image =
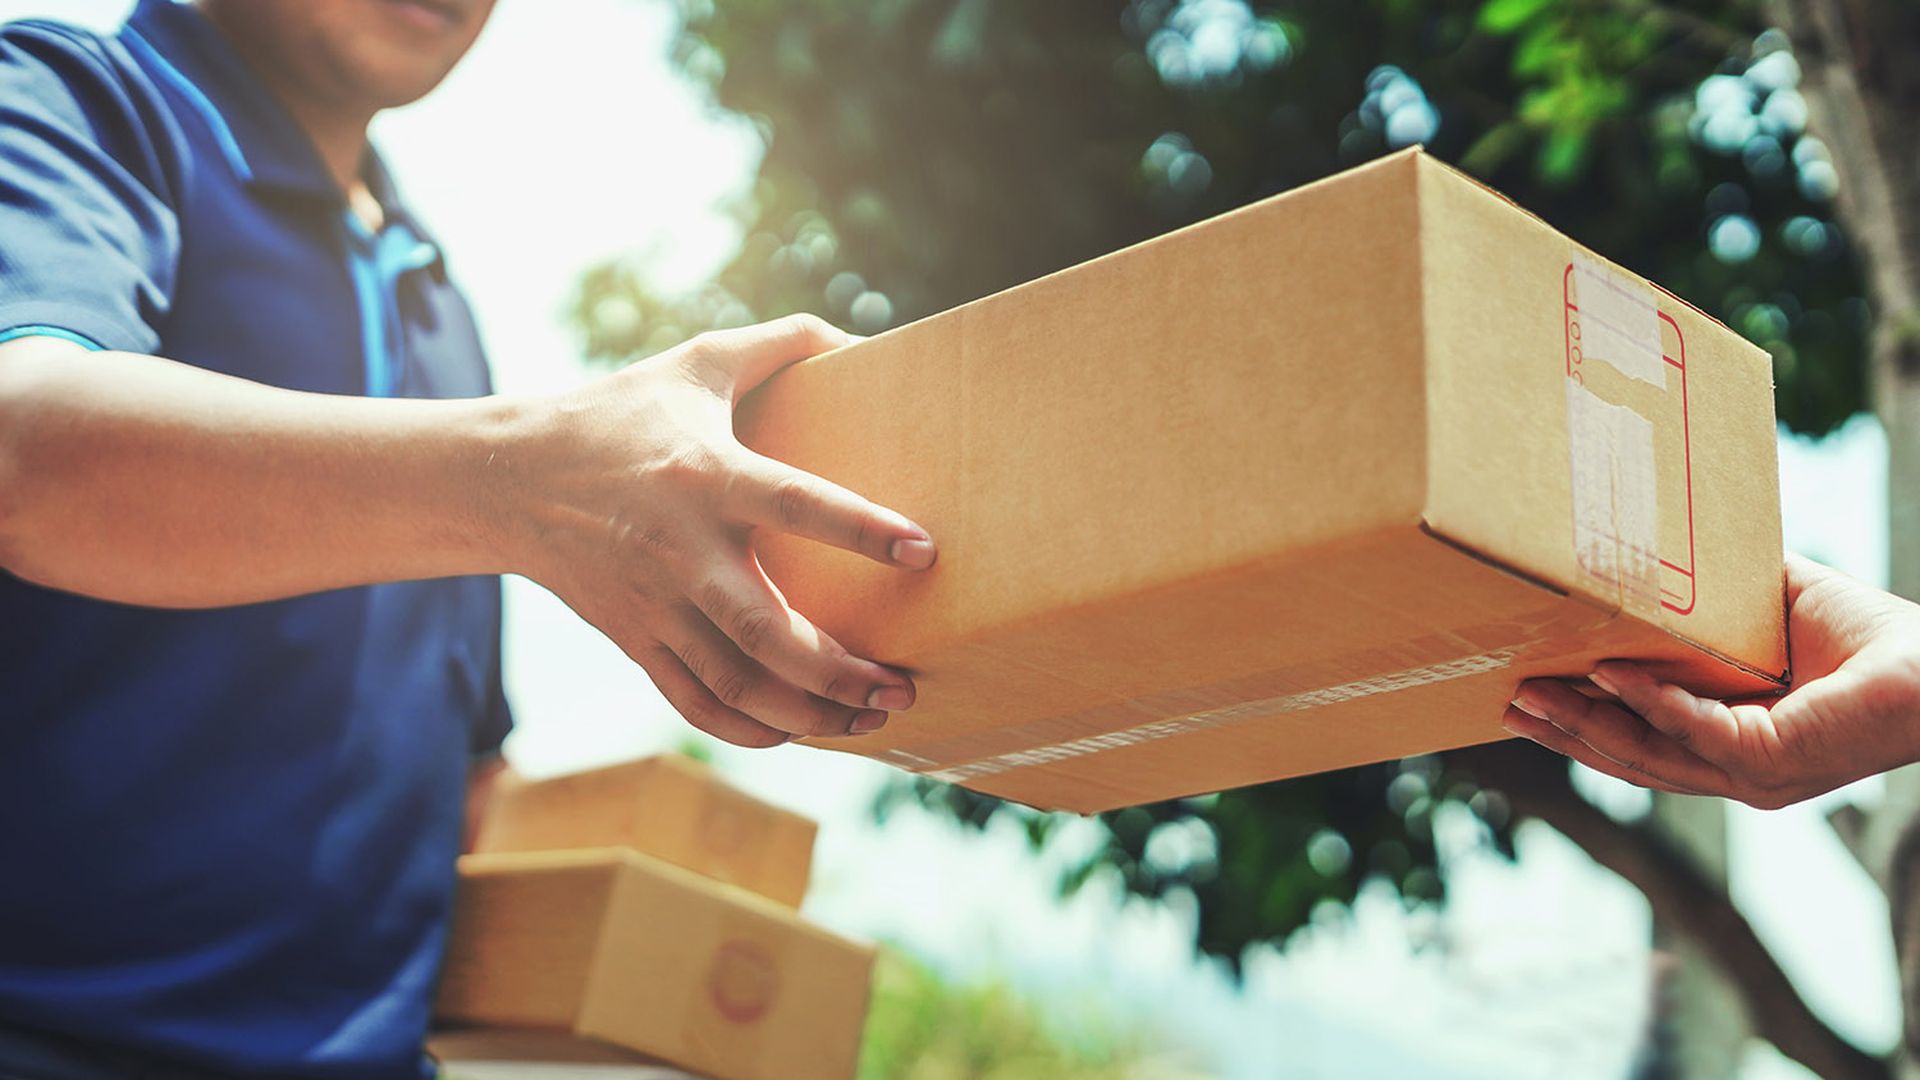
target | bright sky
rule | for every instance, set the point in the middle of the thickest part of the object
(566, 140)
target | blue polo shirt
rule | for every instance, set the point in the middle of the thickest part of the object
(226, 836)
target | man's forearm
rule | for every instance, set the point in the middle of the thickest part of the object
(141, 480)
(145, 481)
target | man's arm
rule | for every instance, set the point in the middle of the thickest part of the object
(141, 480)
(146, 481)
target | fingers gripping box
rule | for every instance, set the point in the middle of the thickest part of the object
(1308, 485)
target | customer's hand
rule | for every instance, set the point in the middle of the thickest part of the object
(1853, 709)
(644, 507)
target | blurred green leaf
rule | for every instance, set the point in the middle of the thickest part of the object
(921, 1026)
(1562, 155)
(1506, 16)
(697, 748)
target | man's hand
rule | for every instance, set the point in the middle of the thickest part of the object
(144, 481)
(1853, 709)
(644, 506)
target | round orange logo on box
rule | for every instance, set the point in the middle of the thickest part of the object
(742, 981)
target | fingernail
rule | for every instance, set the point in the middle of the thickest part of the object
(890, 698)
(1600, 679)
(1524, 701)
(912, 554)
(1519, 731)
(869, 721)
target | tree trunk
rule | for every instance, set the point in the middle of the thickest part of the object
(1700, 1023)
(1863, 96)
(1537, 785)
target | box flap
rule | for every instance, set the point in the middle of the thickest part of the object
(1586, 429)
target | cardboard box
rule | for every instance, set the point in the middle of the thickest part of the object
(668, 806)
(610, 955)
(1311, 484)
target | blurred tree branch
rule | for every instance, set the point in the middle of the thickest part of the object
(1539, 787)
(1862, 85)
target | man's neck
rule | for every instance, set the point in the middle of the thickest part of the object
(340, 139)
(338, 133)
(342, 144)
(364, 205)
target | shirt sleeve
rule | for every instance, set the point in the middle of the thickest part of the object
(493, 720)
(88, 236)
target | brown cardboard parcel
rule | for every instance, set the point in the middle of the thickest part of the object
(1304, 486)
(610, 955)
(668, 806)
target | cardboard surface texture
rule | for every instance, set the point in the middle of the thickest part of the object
(611, 955)
(1308, 485)
(668, 806)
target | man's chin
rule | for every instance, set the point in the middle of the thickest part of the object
(401, 83)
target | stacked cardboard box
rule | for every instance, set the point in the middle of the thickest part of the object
(646, 911)
(670, 807)
(1308, 485)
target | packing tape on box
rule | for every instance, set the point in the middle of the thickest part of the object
(1385, 669)
(1616, 501)
(1619, 323)
(1221, 717)
(1615, 481)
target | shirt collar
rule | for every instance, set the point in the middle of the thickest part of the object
(262, 143)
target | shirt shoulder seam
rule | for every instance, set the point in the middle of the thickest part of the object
(94, 45)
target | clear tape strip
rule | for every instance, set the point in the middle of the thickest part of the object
(1424, 675)
(906, 760)
(1614, 476)
(1619, 323)
(1615, 496)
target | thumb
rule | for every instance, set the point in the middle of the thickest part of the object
(1802, 573)
(1820, 713)
(733, 362)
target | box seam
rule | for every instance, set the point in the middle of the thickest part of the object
(617, 879)
(1615, 612)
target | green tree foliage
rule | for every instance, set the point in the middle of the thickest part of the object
(921, 153)
(1256, 861)
(922, 1027)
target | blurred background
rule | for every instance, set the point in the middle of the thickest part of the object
(612, 176)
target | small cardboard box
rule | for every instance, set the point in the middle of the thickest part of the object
(1308, 485)
(668, 806)
(610, 955)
